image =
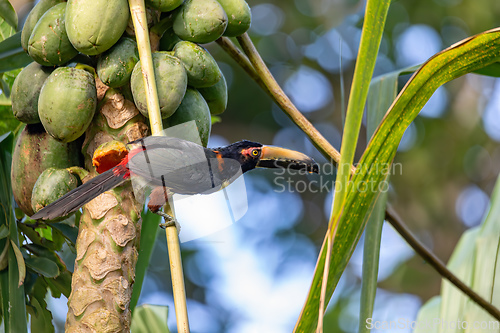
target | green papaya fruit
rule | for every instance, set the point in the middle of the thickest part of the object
(35, 14)
(193, 107)
(164, 5)
(25, 92)
(239, 16)
(171, 84)
(200, 21)
(67, 103)
(201, 68)
(94, 26)
(52, 184)
(216, 96)
(49, 44)
(115, 66)
(36, 151)
(168, 40)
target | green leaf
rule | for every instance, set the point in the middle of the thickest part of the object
(6, 214)
(491, 70)
(42, 251)
(61, 284)
(461, 263)
(5, 217)
(9, 123)
(8, 14)
(373, 28)
(486, 263)
(4, 258)
(45, 232)
(12, 55)
(148, 237)
(30, 231)
(43, 266)
(41, 318)
(8, 79)
(150, 318)
(4, 231)
(19, 263)
(383, 91)
(467, 56)
(5, 101)
(69, 232)
(5, 87)
(41, 322)
(427, 316)
(475, 261)
(6, 30)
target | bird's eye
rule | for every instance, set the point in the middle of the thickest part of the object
(255, 152)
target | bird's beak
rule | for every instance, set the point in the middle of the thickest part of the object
(276, 157)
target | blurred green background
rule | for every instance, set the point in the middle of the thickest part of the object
(254, 276)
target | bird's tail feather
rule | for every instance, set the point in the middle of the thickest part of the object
(78, 197)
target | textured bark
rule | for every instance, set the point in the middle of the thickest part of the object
(109, 231)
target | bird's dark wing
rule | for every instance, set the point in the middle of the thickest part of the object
(181, 166)
(224, 170)
(205, 177)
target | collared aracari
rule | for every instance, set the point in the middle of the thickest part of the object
(171, 165)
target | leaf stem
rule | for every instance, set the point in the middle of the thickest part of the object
(138, 12)
(80, 172)
(227, 45)
(273, 88)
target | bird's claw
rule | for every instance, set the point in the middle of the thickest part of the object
(164, 225)
(169, 221)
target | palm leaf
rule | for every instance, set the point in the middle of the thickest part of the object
(475, 261)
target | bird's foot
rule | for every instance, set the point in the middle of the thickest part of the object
(169, 221)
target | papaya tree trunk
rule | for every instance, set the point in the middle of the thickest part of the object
(108, 238)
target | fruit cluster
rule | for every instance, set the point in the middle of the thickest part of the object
(77, 43)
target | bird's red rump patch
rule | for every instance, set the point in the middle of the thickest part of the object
(135, 151)
(121, 171)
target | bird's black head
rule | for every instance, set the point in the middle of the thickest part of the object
(253, 154)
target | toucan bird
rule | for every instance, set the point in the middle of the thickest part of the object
(171, 165)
